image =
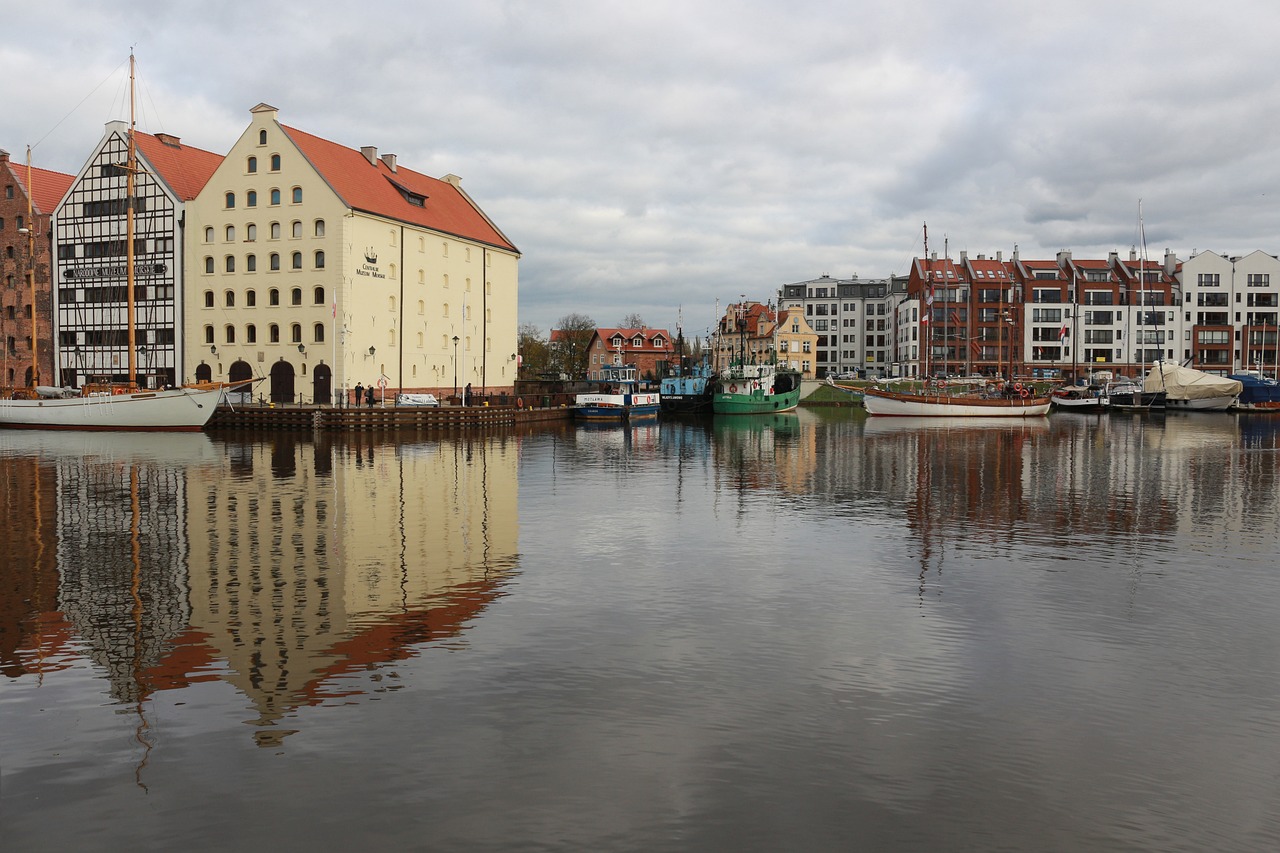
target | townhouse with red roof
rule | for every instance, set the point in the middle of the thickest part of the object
(89, 237)
(28, 197)
(649, 351)
(317, 267)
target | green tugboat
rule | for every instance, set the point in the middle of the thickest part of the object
(755, 389)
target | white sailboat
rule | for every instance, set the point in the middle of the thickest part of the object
(109, 405)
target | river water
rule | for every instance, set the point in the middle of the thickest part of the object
(799, 632)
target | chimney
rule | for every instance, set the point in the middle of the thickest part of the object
(169, 139)
(1133, 253)
(452, 179)
(1015, 253)
(370, 153)
(390, 160)
(1000, 257)
(1113, 258)
(1170, 262)
(964, 257)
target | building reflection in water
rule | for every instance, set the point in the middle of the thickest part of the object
(282, 566)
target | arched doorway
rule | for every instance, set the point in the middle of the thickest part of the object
(204, 372)
(240, 372)
(321, 384)
(282, 382)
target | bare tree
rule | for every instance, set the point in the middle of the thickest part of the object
(569, 345)
(633, 321)
(535, 353)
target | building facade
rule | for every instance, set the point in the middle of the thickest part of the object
(89, 236)
(650, 351)
(755, 333)
(316, 267)
(26, 207)
(853, 319)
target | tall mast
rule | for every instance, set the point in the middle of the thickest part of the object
(928, 301)
(128, 214)
(31, 281)
(1142, 296)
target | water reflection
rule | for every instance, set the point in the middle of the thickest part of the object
(280, 566)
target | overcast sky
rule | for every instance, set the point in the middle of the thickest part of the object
(648, 157)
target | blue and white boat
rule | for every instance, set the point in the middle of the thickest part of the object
(688, 393)
(619, 399)
(1257, 392)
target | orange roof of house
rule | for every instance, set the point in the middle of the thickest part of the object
(185, 169)
(375, 188)
(630, 334)
(47, 188)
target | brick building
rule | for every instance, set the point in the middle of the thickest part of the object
(25, 247)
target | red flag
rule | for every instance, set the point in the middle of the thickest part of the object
(1062, 333)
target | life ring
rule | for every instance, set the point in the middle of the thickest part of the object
(519, 402)
(1024, 393)
(733, 389)
(1017, 386)
(117, 390)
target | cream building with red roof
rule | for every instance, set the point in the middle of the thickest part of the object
(319, 267)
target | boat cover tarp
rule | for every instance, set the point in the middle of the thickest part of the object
(1187, 383)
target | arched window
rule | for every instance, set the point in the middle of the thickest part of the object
(230, 234)
(319, 295)
(208, 299)
(444, 310)
(275, 230)
(250, 334)
(319, 260)
(275, 195)
(419, 340)
(230, 200)
(275, 162)
(208, 263)
(273, 296)
(295, 333)
(230, 334)
(319, 227)
(229, 299)
(317, 333)
(251, 198)
(273, 332)
(295, 260)
(297, 195)
(392, 301)
(422, 306)
(208, 334)
(296, 228)
(274, 261)
(208, 234)
(295, 296)
(251, 232)
(251, 298)
(250, 263)
(262, 137)
(251, 165)
(231, 263)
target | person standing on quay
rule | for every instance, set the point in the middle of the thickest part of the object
(368, 395)
(466, 395)
(359, 392)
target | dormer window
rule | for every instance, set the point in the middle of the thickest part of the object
(637, 341)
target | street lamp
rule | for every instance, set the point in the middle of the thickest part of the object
(455, 366)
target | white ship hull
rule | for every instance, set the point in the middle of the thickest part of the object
(173, 409)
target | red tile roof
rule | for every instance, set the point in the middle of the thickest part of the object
(375, 188)
(185, 169)
(628, 335)
(48, 187)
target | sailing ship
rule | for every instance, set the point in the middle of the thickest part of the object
(111, 404)
(1021, 402)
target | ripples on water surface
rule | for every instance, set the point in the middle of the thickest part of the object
(800, 632)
